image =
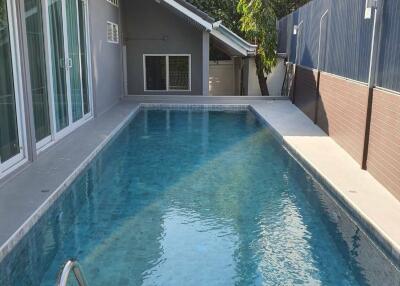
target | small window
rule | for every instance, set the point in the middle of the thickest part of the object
(167, 72)
(179, 73)
(114, 2)
(156, 73)
(112, 33)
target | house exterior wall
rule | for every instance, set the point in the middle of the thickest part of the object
(384, 143)
(107, 68)
(276, 78)
(150, 28)
(253, 84)
(222, 78)
(105, 65)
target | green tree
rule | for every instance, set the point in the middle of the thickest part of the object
(258, 22)
(224, 10)
(3, 16)
(254, 20)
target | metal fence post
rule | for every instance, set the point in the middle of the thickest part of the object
(298, 30)
(317, 95)
(378, 14)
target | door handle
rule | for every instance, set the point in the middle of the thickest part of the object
(66, 63)
(69, 63)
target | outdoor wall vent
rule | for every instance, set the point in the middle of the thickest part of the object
(114, 2)
(112, 33)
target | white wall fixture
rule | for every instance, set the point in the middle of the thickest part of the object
(112, 33)
(114, 2)
(369, 5)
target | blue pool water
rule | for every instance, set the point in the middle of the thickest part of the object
(189, 198)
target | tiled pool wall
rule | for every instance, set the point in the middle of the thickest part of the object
(369, 255)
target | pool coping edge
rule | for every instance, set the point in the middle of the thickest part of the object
(29, 223)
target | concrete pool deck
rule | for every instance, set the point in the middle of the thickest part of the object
(26, 196)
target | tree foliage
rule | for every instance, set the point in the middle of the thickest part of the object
(254, 20)
(3, 15)
(224, 10)
(258, 22)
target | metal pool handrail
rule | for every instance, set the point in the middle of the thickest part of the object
(74, 266)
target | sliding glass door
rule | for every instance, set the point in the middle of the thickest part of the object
(75, 58)
(68, 60)
(59, 64)
(11, 144)
(37, 67)
(83, 56)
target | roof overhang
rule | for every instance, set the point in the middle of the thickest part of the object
(189, 13)
(233, 41)
(226, 37)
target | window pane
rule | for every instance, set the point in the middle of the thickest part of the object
(9, 140)
(156, 78)
(37, 66)
(82, 34)
(58, 63)
(75, 60)
(179, 73)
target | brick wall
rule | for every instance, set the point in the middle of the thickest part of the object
(306, 91)
(342, 112)
(384, 147)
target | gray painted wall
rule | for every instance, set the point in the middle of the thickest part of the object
(150, 28)
(106, 57)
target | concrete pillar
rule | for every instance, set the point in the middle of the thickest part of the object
(206, 62)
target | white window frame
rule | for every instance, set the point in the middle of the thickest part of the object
(114, 36)
(20, 158)
(114, 2)
(58, 135)
(167, 72)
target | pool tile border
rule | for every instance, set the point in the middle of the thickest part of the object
(195, 107)
(377, 236)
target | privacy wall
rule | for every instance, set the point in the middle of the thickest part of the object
(330, 43)
(336, 35)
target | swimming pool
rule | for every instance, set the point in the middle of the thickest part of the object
(195, 197)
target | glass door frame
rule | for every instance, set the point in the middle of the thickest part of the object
(45, 142)
(57, 135)
(9, 165)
